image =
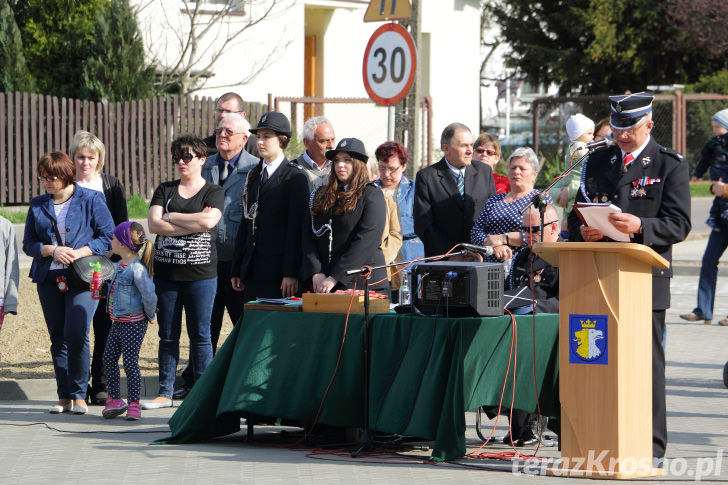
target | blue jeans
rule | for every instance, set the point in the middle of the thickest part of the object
(717, 243)
(197, 298)
(68, 318)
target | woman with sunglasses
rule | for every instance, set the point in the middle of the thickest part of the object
(184, 214)
(87, 152)
(499, 225)
(486, 149)
(345, 225)
(66, 223)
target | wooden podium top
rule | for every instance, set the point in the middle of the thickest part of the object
(550, 251)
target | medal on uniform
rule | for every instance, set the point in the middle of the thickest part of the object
(604, 198)
(537, 278)
(646, 161)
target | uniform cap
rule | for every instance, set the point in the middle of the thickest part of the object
(352, 146)
(274, 121)
(628, 109)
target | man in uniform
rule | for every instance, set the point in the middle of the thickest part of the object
(451, 194)
(650, 184)
(226, 104)
(318, 138)
(527, 272)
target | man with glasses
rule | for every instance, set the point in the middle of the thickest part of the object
(228, 168)
(529, 271)
(318, 138)
(230, 103)
(650, 184)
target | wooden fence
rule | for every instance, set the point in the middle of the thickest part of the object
(137, 135)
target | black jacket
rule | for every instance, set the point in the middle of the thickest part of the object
(356, 240)
(656, 189)
(540, 274)
(273, 249)
(115, 198)
(442, 217)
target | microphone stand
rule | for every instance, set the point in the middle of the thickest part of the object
(539, 200)
(366, 439)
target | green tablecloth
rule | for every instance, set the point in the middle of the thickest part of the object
(425, 373)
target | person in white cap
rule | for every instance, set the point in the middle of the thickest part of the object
(581, 131)
(714, 156)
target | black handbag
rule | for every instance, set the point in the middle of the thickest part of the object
(81, 271)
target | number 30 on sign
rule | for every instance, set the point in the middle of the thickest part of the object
(390, 60)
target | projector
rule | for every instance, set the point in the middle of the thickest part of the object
(458, 289)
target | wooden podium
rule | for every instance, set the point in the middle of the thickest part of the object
(605, 357)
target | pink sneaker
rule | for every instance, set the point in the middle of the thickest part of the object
(134, 412)
(114, 407)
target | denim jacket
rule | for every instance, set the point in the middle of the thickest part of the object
(232, 214)
(133, 293)
(88, 223)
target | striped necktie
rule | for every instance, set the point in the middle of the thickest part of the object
(461, 183)
(627, 160)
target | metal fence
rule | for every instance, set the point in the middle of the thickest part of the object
(682, 121)
(357, 117)
(137, 135)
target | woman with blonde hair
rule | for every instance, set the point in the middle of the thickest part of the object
(87, 153)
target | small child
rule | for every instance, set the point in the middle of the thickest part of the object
(9, 274)
(581, 131)
(715, 156)
(131, 303)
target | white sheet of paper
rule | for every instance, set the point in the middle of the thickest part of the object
(596, 215)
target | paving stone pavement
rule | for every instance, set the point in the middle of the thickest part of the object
(37, 447)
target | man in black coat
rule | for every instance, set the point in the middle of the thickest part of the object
(451, 194)
(650, 184)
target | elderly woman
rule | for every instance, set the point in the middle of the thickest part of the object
(184, 214)
(392, 158)
(65, 224)
(87, 152)
(486, 149)
(499, 225)
(347, 218)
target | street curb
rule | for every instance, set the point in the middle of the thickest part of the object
(45, 389)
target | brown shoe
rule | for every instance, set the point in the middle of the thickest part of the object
(692, 317)
(724, 322)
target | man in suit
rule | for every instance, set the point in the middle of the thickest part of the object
(229, 168)
(267, 257)
(318, 138)
(650, 184)
(230, 103)
(451, 194)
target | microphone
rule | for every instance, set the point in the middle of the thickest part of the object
(607, 141)
(484, 250)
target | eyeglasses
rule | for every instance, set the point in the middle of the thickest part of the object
(185, 157)
(534, 229)
(226, 132)
(489, 151)
(389, 169)
(43, 178)
(225, 111)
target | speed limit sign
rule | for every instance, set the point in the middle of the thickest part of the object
(390, 60)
